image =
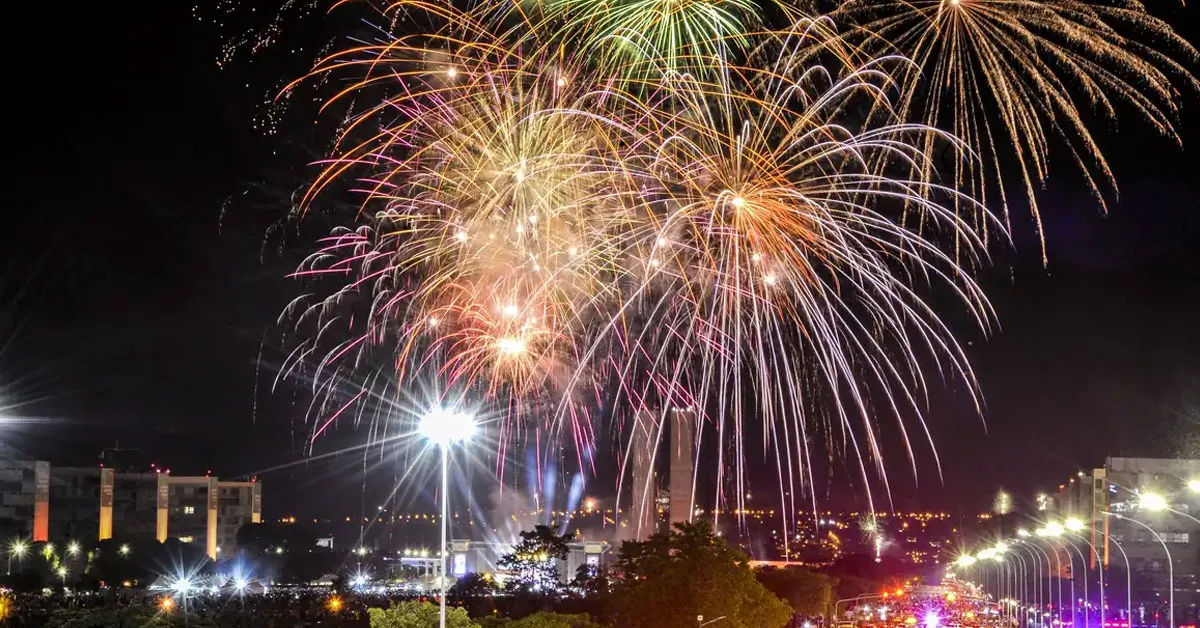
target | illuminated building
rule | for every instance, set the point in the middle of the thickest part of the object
(45, 503)
(1153, 503)
(482, 557)
(24, 495)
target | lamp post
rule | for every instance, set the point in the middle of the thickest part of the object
(1128, 575)
(1020, 593)
(1036, 560)
(1049, 532)
(1170, 565)
(445, 428)
(1074, 525)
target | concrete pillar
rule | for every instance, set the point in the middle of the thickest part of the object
(683, 456)
(644, 486)
(41, 501)
(107, 479)
(210, 537)
(256, 502)
(162, 507)
(1099, 520)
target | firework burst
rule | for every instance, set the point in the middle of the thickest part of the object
(717, 236)
(1009, 76)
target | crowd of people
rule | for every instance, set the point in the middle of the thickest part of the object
(118, 608)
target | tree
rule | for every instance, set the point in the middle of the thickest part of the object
(542, 620)
(113, 566)
(473, 585)
(416, 614)
(535, 560)
(591, 581)
(809, 593)
(670, 579)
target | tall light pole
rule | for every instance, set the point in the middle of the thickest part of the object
(444, 428)
(1170, 565)
(1047, 532)
(1128, 573)
(1074, 525)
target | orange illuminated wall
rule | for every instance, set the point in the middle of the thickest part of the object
(163, 501)
(41, 501)
(256, 503)
(213, 500)
(107, 477)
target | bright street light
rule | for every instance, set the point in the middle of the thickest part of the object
(1074, 524)
(1023, 533)
(124, 551)
(1194, 486)
(444, 428)
(1051, 529)
(1152, 502)
(73, 548)
(17, 549)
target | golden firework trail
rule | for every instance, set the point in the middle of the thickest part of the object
(1015, 78)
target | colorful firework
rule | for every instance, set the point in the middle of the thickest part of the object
(653, 34)
(723, 237)
(999, 73)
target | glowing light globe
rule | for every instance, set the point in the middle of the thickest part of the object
(443, 427)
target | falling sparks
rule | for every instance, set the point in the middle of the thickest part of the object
(1010, 78)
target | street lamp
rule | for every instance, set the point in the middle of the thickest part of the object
(124, 551)
(17, 548)
(73, 548)
(1152, 502)
(1194, 486)
(444, 428)
(1170, 564)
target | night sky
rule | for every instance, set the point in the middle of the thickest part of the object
(141, 284)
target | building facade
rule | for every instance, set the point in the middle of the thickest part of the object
(44, 503)
(24, 491)
(1141, 514)
(483, 557)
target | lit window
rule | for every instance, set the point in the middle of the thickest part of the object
(460, 564)
(189, 510)
(186, 539)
